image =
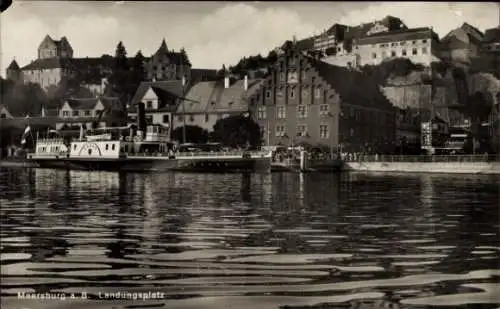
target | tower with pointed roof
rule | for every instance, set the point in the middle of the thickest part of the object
(50, 48)
(14, 72)
(166, 64)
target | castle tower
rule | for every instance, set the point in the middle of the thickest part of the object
(14, 72)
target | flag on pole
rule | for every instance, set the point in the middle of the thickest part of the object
(26, 131)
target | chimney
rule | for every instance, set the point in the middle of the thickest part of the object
(245, 82)
(226, 82)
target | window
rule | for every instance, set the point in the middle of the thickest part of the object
(304, 75)
(107, 146)
(166, 118)
(323, 131)
(282, 76)
(292, 94)
(302, 111)
(374, 55)
(3, 116)
(149, 104)
(393, 54)
(301, 130)
(323, 109)
(317, 93)
(394, 44)
(384, 54)
(113, 147)
(149, 119)
(281, 112)
(75, 113)
(292, 60)
(305, 93)
(207, 117)
(180, 118)
(90, 152)
(403, 52)
(191, 118)
(268, 94)
(414, 51)
(87, 113)
(414, 42)
(424, 50)
(280, 130)
(424, 41)
(261, 113)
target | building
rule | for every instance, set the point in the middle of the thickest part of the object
(47, 72)
(202, 75)
(14, 72)
(207, 102)
(491, 41)
(420, 45)
(50, 48)
(307, 101)
(461, 44)
(76, 112)
(168, 65)
(160, 100)
(4, 112)
(372, 43)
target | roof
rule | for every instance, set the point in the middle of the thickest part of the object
(13, 66)
(163, 89)
(49, 63)
(391, 22)
(304, 44)
(174, 87)
(177, 58)
(198, 75)
(398, 35)
(206, 97)
(492, 35)
(89, 103)
(473, 30)
(347, 83)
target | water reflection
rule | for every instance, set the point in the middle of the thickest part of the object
(251, 240)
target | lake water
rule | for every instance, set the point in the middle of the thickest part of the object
(248, 241)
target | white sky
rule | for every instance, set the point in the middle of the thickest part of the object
(212, 33)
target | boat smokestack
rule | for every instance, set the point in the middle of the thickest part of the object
(141, 118)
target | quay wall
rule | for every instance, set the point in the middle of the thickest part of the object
(492, 168)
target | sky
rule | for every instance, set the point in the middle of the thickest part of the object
(212, 33)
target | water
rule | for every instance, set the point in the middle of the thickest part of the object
(248, 241)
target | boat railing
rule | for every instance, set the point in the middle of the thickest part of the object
(195, 154)
(50, 140)
(421, 158)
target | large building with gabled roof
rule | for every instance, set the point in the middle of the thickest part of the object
(307, 101)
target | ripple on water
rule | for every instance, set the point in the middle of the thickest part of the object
(14, 256)
(290, 258)
(202, 254)
(488, 295)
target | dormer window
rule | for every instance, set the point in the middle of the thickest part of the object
(149, 104)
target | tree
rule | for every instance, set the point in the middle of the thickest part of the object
(237, 131)
(137, 72)
(194, 134)
(120, 78)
